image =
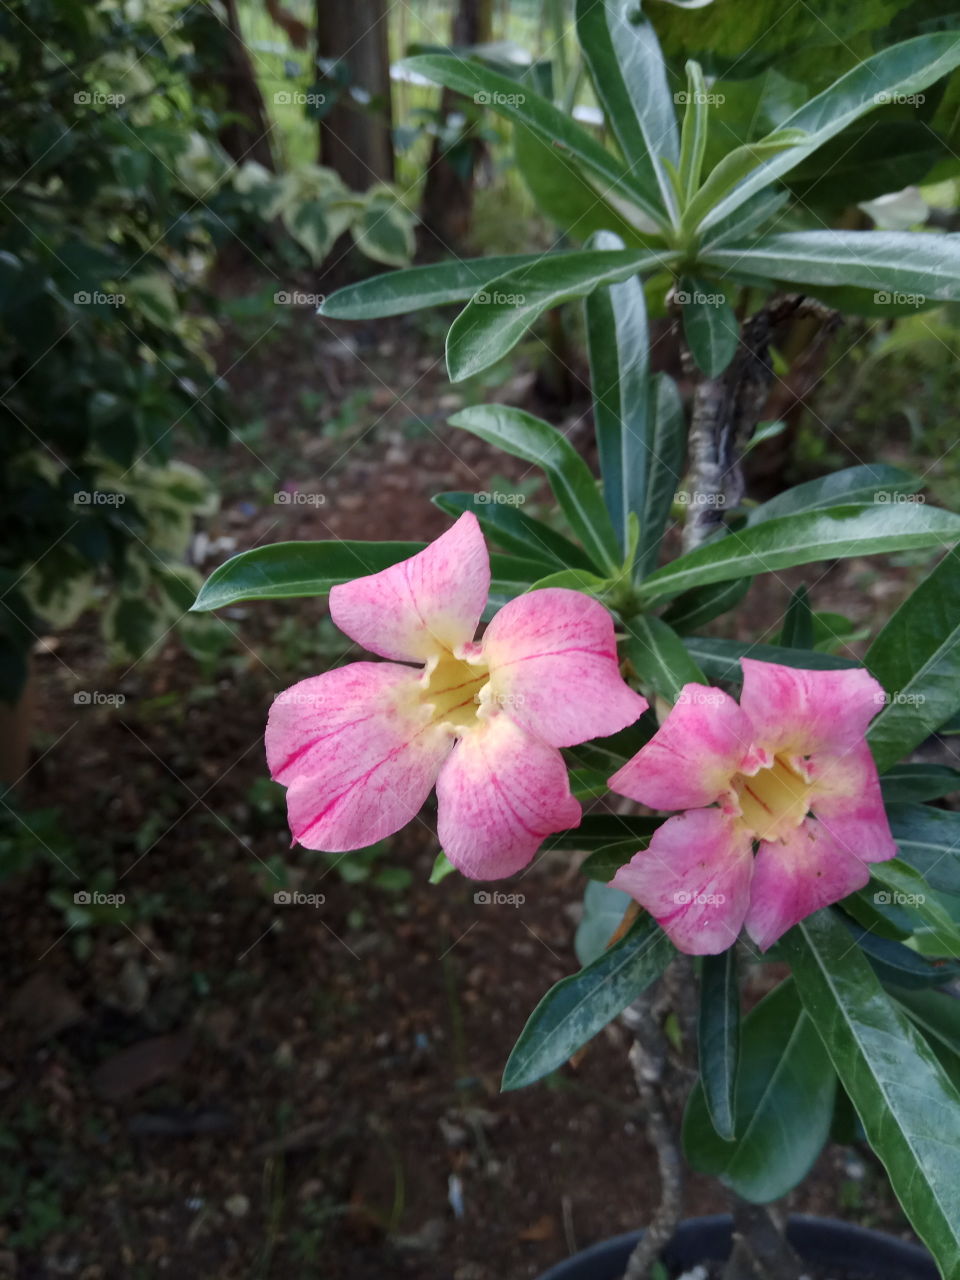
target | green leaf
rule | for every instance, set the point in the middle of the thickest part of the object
(784, 1104)
(626, 65)
(668, 447)
(907, 1105)
(718, 1039)
(841, 488)
(914, 783)
(733, 168)
(557, 129)
(701, 605)
(908, 888)
(618, 342)
(604, 912)
(693, 136)
(574, 1010)
(902, 69)
(797, 630)
(710, 324)
(507, 526)
(604, 863)
(660, 658)
(286, 569)
(599, 829)
(800, 539)
(929, 840)
(535, 441)
(917, 265)
(936, 1013)
(442, 867)
(396, 292)
(895, 964)
(499, 314)
(916, 657)
(720, 659)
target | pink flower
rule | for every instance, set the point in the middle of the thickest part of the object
(787, 771)
(359, 748)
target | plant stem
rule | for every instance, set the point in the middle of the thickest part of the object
(760, 1247)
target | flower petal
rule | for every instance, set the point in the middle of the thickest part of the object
(793, 878)
(689, 761)
(356, 752)
(423, 605)
(801, 712)
(554, 669)
(694, 879)
(499, 795)
(848, 801)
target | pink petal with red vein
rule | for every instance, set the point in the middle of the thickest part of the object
(355, 751)
(691, 758)
(694, 879)
(801, 712)
(423, 605)
(499, 795)
(794, 878)
(848, 802)
(554, 669)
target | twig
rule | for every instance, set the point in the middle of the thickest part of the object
(760, 1247)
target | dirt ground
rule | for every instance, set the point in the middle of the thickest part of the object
(207, 1083)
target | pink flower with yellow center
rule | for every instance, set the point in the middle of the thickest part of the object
(787, 774)
(359, 748)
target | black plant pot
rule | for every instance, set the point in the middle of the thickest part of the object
(820, 1241)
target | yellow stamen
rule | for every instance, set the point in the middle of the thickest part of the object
(773, 801)
(451, 689)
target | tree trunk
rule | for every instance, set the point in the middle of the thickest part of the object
(246, 138)
(355, 139)
(448, 190)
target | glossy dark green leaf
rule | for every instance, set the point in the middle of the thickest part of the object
(929, 839)
(577, 1007)
(783, 1109)
(515, 531)
(906, 1103)
(797, 630)
(914, 783)
(555, 127)
(710, 324)
(718, 1039)
(936, 1013)
(668, 446)
(851, 486)
(800, 539)
(693, 135)
(599, 829)
(660, 658)
(720, 659)
(892, 263)
(499, 315)
(536, 442)
(623, 54)
(916, 657)
(618, 341)
(895, 965)
(396, 292)
(701, 605)
(902, 69)
(604, 863)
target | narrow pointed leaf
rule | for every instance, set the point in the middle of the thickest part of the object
(929, 840)
(660, 658)
(817, 535)
(718, 1039)
(902, 69)
(499, 315)
(694, 609)
(536, 442)
(868, 483)
(667, 451)
(396, 292)
(895, 264)
(734, 167)
(693, 135)
(916, 657)
(797, 630)
(914, 783)
(906, 1103)
(511, 529)
(618, 344)
(720, 659)
(710, 324)
(573, 1011)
